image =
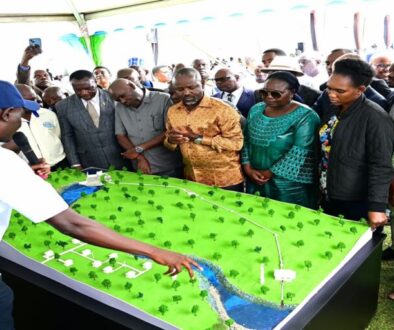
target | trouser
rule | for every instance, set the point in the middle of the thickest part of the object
(351, 210)
(236, 187)
(6, 301)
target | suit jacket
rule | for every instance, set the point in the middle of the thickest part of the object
(83, 142)
(245, 102)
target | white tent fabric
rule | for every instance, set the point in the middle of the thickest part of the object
(187, 28)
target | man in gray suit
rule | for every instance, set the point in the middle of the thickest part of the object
(87, 121)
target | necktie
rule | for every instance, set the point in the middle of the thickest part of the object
(93, 113)
(230, 97)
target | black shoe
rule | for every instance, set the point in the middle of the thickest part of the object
(388, 254)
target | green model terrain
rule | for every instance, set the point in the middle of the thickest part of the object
(235, 232)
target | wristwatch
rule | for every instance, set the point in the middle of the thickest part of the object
(139, 150)
(198, 139)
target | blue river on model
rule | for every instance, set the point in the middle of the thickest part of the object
(242, 310)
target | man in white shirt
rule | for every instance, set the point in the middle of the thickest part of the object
(42, 132)
(22, 190)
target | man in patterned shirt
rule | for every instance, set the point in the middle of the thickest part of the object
(208, 133)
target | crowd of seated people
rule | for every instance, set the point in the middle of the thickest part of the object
(313, 130)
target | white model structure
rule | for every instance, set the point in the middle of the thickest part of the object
(108, 270)
(68, 262)
(131, 274)
(284, 275)
(97, 264)
(49, 254)
(113, 255)
(93, 180)
(262, 276)
(75, 241)
(86, 252)
(147, 265)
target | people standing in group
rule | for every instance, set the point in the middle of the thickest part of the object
(140, 118)
(357, 143)
(87, 122)
(207, 132)
(279, 155)
(102, 76)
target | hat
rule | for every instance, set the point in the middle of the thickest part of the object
(284, 63)
(11, 98)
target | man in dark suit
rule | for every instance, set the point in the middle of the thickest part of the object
(87, 121)
(231, 90)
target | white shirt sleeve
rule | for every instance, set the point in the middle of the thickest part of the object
(26, 192)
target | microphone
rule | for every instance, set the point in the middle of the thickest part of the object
(21, 141)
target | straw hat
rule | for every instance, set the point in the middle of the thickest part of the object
(284, 63)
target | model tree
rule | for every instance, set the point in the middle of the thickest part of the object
(308, 264)
(229, 322)
(163, 308)
(239, 203)
(176, 299)
(73, 270)
(257, 249)
(92, 275)
(128, 286)
(141, 223)
(11, 235)
(290, 295)
(140, 295)
(215, 207)
(152, 235)
(177, 191)
(282, 228)
(328, 255)
(265, 260)
(151, 192)
(47, 243)
(175, 285)
(120, 208)
(130, 230)
(297, 207)
(353, 230)
(316, 222)
(341, 246)
(300, 226)
(62, 244)
(264, 289)
(112, 217)
(24, 229)
(179, 205)
(192, 216)
(300, 243)
(112, 262)
(271, 212)
(106, 284)
(217, 256)
(157, 277)
(250, 210)
(151, 203)
(27, 246)
(221, 219)
(107, 198)
(93, 206)
(250, 233)
(291, 215)
(134, 199)
(242, 221)
(160, 219)
(137, 214)
(211, 193)
(234, 243)
(160, 208)
(127, 196)
(167, 244)
(213, 236)
(195, 309)
(193, 197)
(50, 233)
(165, 184)
(190, 206)
(191, 242)
(234, 273)
(193, 281)
(203, 294)
(328, 234)
(117, 228)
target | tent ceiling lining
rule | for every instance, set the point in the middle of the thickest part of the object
(78, 7)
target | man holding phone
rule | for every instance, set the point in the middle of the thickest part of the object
(42, 80)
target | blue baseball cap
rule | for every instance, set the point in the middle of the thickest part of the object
(11, 98)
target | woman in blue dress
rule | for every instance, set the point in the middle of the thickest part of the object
(279, 156)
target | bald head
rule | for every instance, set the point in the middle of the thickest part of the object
(226, 80)
(52, 95)
(381, 64)
(129, 74)
(126, 92)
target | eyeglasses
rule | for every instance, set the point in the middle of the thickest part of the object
(274, 94)
(222, 79)
(383, 66)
